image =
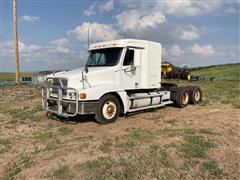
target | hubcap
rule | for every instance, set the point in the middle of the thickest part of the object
(109, 109)
(197, 95)
(185, 98)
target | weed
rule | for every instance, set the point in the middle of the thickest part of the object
(212, 167)
(106, 146)
(83, 146)
(23, 113)
(5, 145)
(62, 172)
(127, 145)
(11, 171)
(195, 146)
(4, 142)
(169, 132)
(15, 168)
(158, 154)
(43, 137)
(65, 131)
(155, 118)
(26, 161)
(171, 121)
(205, 131)
(141, 135)
(189, 131)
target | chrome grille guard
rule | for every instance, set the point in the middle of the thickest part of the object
(58, 99)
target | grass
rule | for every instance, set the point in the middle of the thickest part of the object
(23, 114)
(11, 76)
(42, 137)
(106, 146)
(226, 72)
(15, 168)
(171, 121)
(135, 166)
(195, 146)
(5, 145)
(62, 172)
(65, 131)
(141, 135)
(212, 168)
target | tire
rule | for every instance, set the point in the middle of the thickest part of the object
(195, 94)
(180, 97)
(108, 109)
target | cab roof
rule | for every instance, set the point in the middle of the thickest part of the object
(122, 43)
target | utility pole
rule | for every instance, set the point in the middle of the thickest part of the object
(15, 34)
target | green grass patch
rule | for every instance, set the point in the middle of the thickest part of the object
(43, 137)
(224, 72)
(11, 76)
(171, 121)
(62, 172)
(195, 146)
(23, 114)
(15, 168)
(4, 142)
(5, 145)
(205, 131)
(65, 131)
(106, 146)
(212, 168)
(127, 145)
(135, 166)
(141, 135)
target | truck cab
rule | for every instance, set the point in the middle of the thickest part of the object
(119, 77)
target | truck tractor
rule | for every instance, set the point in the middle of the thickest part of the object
(119, 77)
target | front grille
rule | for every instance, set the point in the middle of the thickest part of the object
(59, 82)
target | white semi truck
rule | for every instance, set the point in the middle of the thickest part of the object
(119, 77)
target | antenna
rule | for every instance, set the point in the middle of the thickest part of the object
(88, 35)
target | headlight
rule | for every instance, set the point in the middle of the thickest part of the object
(72, 95)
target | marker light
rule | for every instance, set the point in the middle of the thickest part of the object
(83, 96)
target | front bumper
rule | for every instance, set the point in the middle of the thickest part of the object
(57, 104)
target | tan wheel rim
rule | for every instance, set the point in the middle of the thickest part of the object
(109, 110)
(185, 98)
(197, 95)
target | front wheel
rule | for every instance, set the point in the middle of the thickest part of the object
(108, 109)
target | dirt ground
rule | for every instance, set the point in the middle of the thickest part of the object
(33, 146)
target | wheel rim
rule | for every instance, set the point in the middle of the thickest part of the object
(109, 110)
(185, 98)
(197, 95)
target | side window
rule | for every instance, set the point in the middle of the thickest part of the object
(129, 57)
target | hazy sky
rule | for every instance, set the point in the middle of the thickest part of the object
(53, 34)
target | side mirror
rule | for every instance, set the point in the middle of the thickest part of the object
(137, 58)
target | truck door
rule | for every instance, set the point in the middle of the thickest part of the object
(131, 69)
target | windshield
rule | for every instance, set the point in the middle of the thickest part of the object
(104, 57)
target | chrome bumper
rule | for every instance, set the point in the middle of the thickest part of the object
(64, 107)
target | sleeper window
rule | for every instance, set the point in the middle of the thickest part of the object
(129, 57)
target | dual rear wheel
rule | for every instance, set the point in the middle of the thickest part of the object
(183, 96)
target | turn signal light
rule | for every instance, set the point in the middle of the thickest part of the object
(83, 96)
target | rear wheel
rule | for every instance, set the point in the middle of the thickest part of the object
(108, 109)
(195, 95)
(180, 97)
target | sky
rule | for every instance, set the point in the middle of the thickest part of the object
(53, 33)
